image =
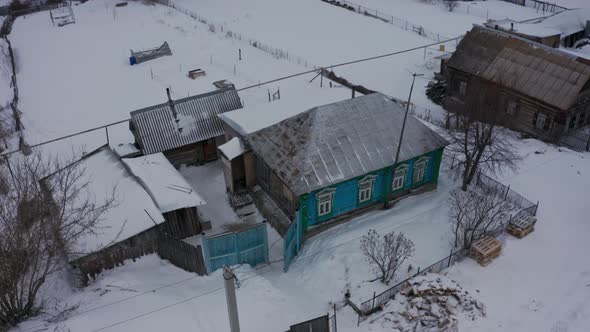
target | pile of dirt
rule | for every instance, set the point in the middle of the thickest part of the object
(430, 303)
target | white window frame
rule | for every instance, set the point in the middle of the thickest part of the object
(366, 188)
(511, 108)
(540, 123)
(403, 170)
(325, 200)
(420, 169)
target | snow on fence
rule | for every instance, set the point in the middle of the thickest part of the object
(525, 205)
(249, 246)
(219, 28)
(539, 5)
(369, 306)
(388, 18)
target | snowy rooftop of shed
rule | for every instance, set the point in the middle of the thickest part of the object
(169, 190)
(105, 172)
(339, 141)
(567, 22)
(232, 148)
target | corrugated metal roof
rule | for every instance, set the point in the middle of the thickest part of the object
(336, 142)
(157, 130)
(535, 70)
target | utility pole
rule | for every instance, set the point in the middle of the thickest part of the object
(230, 297)
(389, 185)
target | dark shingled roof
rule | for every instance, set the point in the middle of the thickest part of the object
(156, 129)
(337, 142)
(546, 74)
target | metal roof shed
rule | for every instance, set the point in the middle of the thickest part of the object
(177, 126)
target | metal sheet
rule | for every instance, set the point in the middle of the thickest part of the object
(156, 127)
(336, 142)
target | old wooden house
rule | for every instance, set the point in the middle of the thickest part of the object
(150, 200)
(330, 162)
(187, 131)
(535, 89)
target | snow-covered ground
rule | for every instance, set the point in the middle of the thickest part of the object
(78, 76)
(572, 3)
(448, 23)
(542, 282)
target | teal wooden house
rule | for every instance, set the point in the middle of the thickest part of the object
(331, 162)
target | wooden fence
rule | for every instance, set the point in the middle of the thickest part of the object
(181, 254)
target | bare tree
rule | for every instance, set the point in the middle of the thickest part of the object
(40, 221)
(478, 137)
(477, 213)
(386, 254)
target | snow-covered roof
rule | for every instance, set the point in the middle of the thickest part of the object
(256, 117)
(529, 29)
(538, 71)
(567, 22)
(169, 190)
(126, 149)
(156, 129)
(105, 172)
(339, 141)
(232, 148)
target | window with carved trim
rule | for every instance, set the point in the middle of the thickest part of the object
(420, 169)
(399, 177)
(366, 188)
(325, 200)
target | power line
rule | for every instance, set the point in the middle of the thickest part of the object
(249, 87)
(174, 304)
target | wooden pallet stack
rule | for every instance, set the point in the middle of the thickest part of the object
(485, 250)
(521, 225)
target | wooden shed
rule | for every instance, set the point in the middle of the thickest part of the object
(136, 223)
(187, 131)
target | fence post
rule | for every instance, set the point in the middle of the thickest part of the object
(507, 191)
(450, 257)
(335, 321)
(373, 306)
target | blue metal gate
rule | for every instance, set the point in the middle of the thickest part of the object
(293, 240)
(249, 246)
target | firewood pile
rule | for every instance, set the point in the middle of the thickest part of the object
(430, 303)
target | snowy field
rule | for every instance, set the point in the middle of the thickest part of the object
(434, 16)
(542, 282)
(78, 76)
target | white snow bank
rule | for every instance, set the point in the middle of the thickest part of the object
(134, 212)
(232, 148)
(169, 190)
